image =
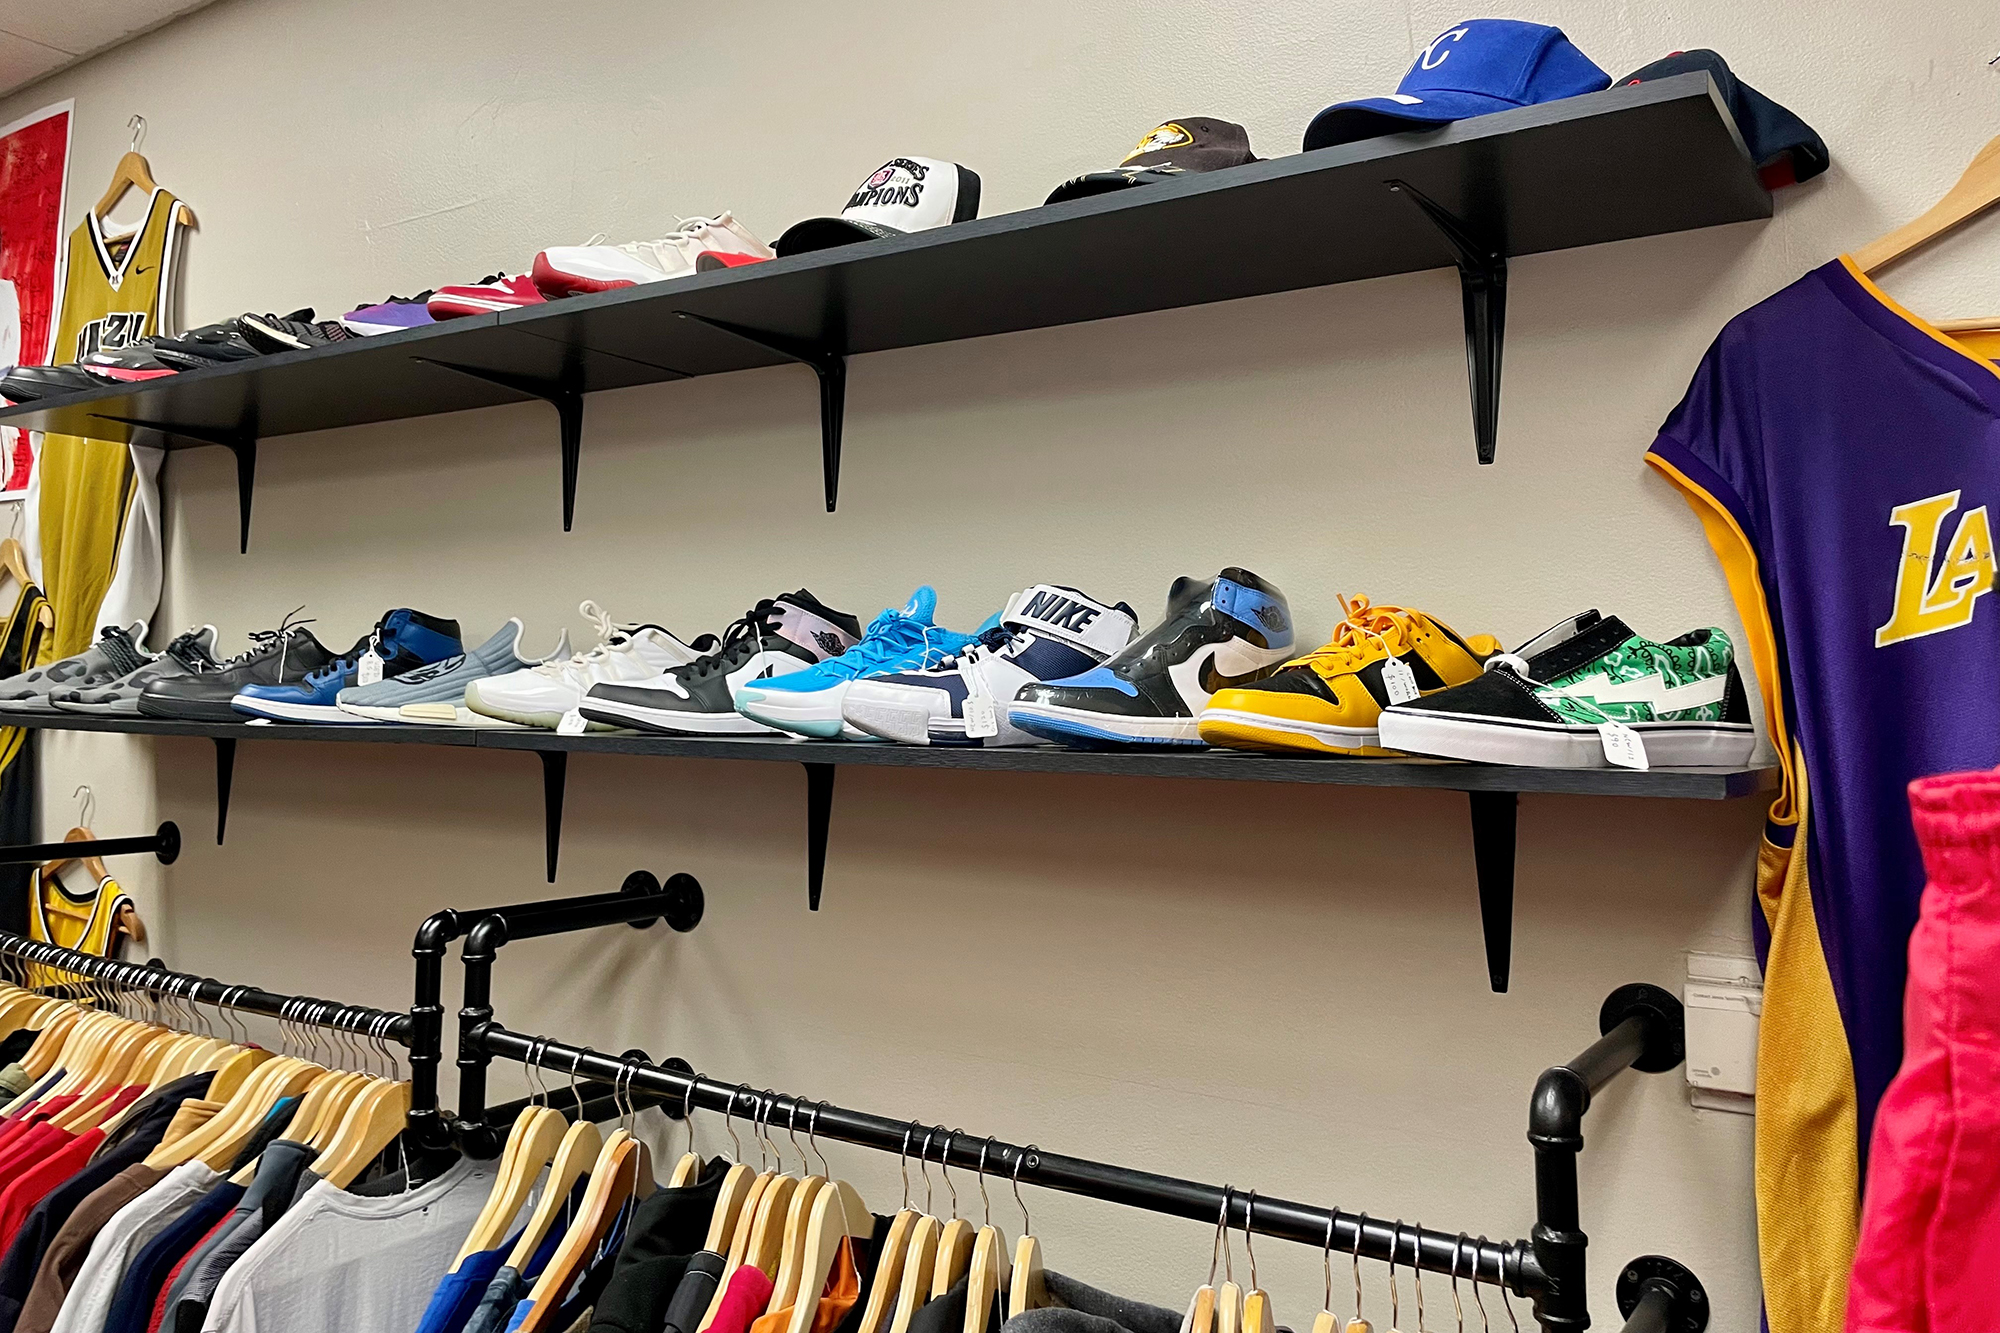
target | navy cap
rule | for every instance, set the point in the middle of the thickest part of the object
(1785, 148)
(1476, 68)
(1192, 143)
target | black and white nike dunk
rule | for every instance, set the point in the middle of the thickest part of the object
(776, 637)
(1217, 634)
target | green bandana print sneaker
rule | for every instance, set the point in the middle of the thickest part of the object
(1546, 703)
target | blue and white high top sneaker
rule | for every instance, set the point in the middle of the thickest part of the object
(808, 702)
(1046, 631)
(401, 641)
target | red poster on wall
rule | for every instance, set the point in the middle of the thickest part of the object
(34, 171)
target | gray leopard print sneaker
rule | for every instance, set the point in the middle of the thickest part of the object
(116, 653)
(192, 654)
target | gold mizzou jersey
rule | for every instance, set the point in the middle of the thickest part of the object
(95, 505)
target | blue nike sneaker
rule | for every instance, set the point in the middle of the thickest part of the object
(402, 640)
(808, 702)
(1218, 633)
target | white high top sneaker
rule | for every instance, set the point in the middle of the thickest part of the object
(540, 695)
(695, 246)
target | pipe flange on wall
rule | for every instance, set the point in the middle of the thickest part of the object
(1674, 1296)
(682, 902)
(1666, 1024)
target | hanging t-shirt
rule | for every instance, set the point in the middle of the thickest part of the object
(90, 1297)
(340, 1261)
(1843, 456)
(93, 507)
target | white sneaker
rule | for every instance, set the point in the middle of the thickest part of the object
(540, 695)
(697, 245)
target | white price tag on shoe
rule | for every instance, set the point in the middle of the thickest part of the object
(571, 724)
(1622, 745)
(981, 717)
(369, 670)
(1399, 681)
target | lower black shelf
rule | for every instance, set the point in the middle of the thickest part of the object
(1493, 791)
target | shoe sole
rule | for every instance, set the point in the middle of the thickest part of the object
(279, 711)
(673, 721)
(1557, 745)
(1240, 730)
(464, 306)
(1073, 726)
(429, 715)
(904, 723)
(815, 715)
(555, 284)
(188, 710)
(120, 708)
(279, 336)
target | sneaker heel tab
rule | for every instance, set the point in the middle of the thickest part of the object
(1483, 646)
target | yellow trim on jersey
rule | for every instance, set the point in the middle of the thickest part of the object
(1808, 1150)
(86, 922)
(1970, 348)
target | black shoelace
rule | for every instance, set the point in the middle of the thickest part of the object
(743, 637)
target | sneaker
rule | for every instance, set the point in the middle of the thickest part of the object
(1548, 703)
(212, 344)
(275, 657)
(1218, 633)
(488, 295)
(808, 702)
(434, 695)
(116, 653)
(128, 365)
(26, 384)
(776, 637)
(540, 695)
(572, 270)
(282, 333)
(1329, 700)
(1046, 631)
(389, 316)
(401, 641)
(188, 655)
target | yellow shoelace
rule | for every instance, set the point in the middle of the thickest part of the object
(1367, 631)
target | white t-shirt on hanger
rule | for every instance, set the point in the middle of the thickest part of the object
(88, 1303)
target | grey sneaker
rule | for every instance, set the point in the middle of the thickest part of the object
(114, 654)
(189, 655)
(434, 695)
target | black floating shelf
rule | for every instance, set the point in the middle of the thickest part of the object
(1493, 791)
(1632, 161)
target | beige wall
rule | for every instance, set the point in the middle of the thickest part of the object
(1278, 987)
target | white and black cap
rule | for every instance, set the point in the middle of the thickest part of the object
(903, 194)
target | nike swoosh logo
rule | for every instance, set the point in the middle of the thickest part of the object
(1213, 680)
(143, 268)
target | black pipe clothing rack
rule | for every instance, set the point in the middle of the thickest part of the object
(165, 843)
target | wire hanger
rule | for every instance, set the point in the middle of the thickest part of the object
(1228, 1296)
(1977, 190)
(1029, 1290)
(920, 1260)
(991, 1275)
(133, 172)
(1257, 1316)
(875, 1315)
(954, 1257)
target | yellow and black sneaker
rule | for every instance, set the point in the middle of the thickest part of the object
(1330, 700)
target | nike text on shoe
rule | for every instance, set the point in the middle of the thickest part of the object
(573, 270)
(539, 696)
(276, 656)
(808, 703)
(776, 637)
(434, 695)
(1218, 633)
(1572, 696)
(401, 641)
(190, 654)
(1045, 631)
(1330, 700)
(116, 653)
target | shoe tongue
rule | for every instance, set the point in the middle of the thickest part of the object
(794, 619)
(922, 605)
(1066, 614)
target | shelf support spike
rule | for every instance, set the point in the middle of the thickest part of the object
(831, 368)
(565, 396)
(819, 815)
(1493, 819)
(555, 778)
(241, 442)
(1482, 278)
(225, 778)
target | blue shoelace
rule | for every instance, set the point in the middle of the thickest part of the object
(890, 638)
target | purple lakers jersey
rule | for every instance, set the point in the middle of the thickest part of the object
(1843, 455)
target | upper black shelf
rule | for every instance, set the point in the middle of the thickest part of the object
(1631, 161)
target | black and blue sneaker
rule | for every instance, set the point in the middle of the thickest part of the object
(1217, 634)
(401, 641)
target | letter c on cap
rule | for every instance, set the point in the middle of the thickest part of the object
(1430, 57)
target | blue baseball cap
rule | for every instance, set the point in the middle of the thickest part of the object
(1478, 67)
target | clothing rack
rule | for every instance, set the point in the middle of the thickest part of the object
(165, 844)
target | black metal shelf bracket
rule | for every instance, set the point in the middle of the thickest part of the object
(819, 815)
(1657, 1295)
(831, 368)
(565, 395)
(242, 443)
(225, 778)
(555, 779)
(1493, 829)
(1482, 278)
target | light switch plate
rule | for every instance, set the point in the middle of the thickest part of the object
(1725, 1000)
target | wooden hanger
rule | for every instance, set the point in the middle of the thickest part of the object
(1977, 190)
(613, 1180)
(14, 561)
(580, 1148)
(1257, 1316)
(133, 172)
(736, 1183)
(881, 1306)
(1028, 1289)
(988, 1279)
(531, 1145)
(954, 1256)
(919, 1264)
(739, 1242)
(378, 1114)
(838, 1213)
